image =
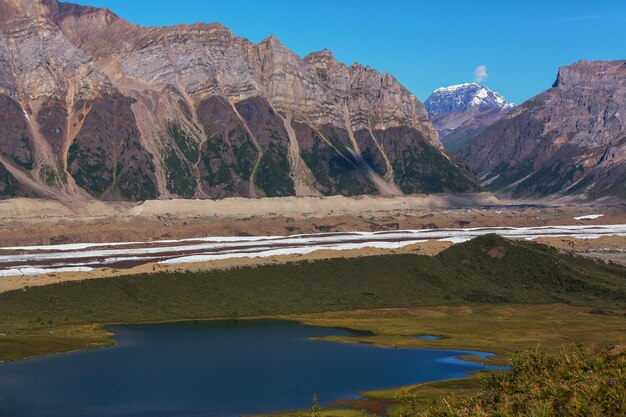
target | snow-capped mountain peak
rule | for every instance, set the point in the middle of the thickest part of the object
(460, 111)
(461, 97)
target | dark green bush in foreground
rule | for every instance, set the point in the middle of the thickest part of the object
(573, 383)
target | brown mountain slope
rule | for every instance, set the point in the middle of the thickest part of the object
(568, 140)
(95, 106)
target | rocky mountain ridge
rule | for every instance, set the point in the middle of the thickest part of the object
(94, 106)
(459, 112)
(461, 97)
(568, 140)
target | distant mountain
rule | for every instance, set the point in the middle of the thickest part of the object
(568, 140)
(93, 106)
(459, 112)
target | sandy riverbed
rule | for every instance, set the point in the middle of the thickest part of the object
(596, 248)
(43, 222)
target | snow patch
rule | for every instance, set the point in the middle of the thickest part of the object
(589, 217)
(289, 251)
(24, 271)
(455, 87)
(460, 97)
(82, 257)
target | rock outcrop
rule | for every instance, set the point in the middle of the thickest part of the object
(94, 106)
(568, 140)
(460, 112)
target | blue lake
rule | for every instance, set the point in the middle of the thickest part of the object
(214, 368)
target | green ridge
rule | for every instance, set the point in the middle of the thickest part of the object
(488, 269)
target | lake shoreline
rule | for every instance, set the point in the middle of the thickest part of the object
(337, 320)
(489, 294)
(111, 335)
(362, 395)
(446, 363)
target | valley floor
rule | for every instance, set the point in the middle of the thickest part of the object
(169, 227)
(487, 294)
(44, 222)
(476, 297)
(502, 329)
(27, 266)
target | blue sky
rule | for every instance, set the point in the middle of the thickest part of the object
(424, 44)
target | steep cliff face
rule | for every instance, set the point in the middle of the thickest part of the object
(568, 140)
(460, 112)
(92, 105)
(66, 128)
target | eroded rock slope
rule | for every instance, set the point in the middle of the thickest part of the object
(568, 140)
(94, 106)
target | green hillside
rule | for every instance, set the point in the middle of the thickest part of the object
(488, 269)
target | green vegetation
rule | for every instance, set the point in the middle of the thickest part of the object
(9, 186)
(23, 156)
(89, 167)
(185, 143)
(180, 178)
(336, 173)
(179, 158)
(334, 166)
(134, 172)
(488, 294)
(134, 180)
(244, 151)
(217, 173)
(133, 176)
(488, 269)
(500, 328)
(224, 158)
(430, 395)
(339, 139)
(550, 179)
(573, 383)
(423, 169)
(372, 156)
(49, 176)
(509, 174)
(586, 182)
(21, 345)
(272, 175)
(503, 328)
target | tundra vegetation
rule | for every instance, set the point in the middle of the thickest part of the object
(489, 294)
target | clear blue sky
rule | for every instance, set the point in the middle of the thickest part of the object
(424, 44)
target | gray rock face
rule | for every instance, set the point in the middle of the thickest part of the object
(113, 110)
(568, 140)
(57, 95)
(460, 112)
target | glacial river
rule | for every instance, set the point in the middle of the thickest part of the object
(32, 260)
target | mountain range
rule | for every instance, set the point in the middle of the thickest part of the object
(568, 140)
(94, 106)
(460, 112)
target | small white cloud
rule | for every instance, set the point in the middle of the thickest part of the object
(480, 74)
